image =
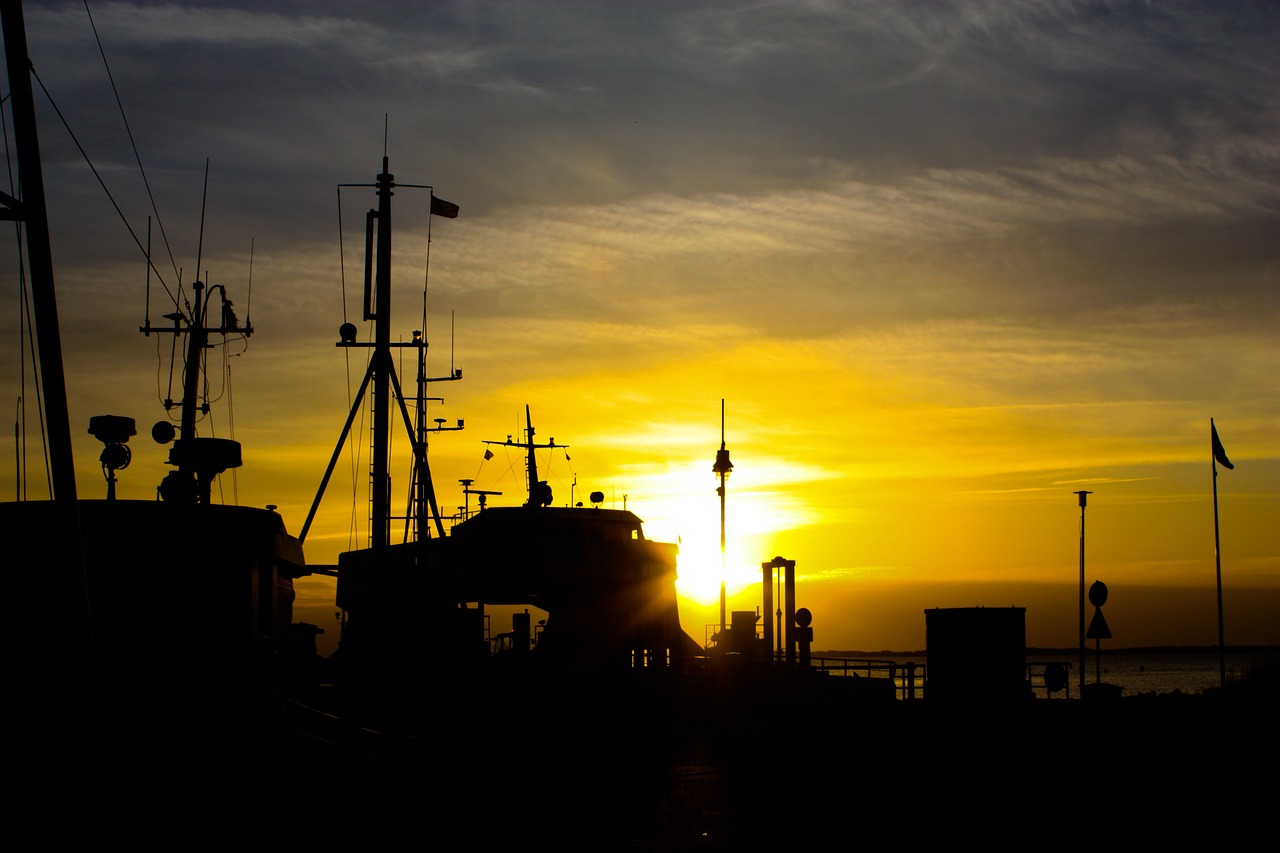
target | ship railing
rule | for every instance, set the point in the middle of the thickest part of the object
(908, 678)
(1045, 679)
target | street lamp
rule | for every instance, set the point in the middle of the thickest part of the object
(722, 468)
(1083, 500)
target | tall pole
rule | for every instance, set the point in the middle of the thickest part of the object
(1083, 500)
(197, 338)
(722, 467)
(421, 528)
(1217, 560)
(32, 213)
(380, 521)
(66, 655)
(1217, 553)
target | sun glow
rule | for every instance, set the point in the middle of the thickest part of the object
(755, 515)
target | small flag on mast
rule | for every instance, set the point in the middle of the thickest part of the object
(440, 207)
(1218, 453)
(488, 454)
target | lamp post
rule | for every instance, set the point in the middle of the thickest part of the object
(722, 468)
(1083, 499)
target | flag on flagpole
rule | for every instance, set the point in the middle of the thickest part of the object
(1218, 452)
(440, 207)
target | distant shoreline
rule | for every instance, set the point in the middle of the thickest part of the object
(1069, 652)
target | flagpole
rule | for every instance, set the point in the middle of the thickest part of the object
(1217, 555)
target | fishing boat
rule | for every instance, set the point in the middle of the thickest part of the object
(136, 621)
(414, 613)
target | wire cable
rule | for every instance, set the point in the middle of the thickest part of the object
(129, 131)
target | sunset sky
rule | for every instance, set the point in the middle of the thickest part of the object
(945, 263)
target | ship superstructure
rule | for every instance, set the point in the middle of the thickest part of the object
(415, 611)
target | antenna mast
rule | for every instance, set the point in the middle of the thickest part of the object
(33, 214)
(539, 490)
(380, 379)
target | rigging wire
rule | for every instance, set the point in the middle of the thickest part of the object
(231, 421)
(179, 301)
(166, 396)
(94, 169)
(420, 362)
(39, 386)
(129, 131)
(342, 260)
(248, 302)
(353, 450)
(228, 390)
(204, 203)
(413, 472)
(26, 338)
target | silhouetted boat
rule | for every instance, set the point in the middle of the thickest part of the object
(131, 621)
(414, 630)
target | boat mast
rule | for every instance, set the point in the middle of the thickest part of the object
(424, 510)
(539, 490)
(31, 211)
(198, 460)
(531, 465)
(380, 367)
(66, 654)
(381, 376)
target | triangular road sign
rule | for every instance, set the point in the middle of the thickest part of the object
(1098, 629)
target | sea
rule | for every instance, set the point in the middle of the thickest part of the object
(1144, 671)
(1136, 671)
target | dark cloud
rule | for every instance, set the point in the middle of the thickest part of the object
(591, 103)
